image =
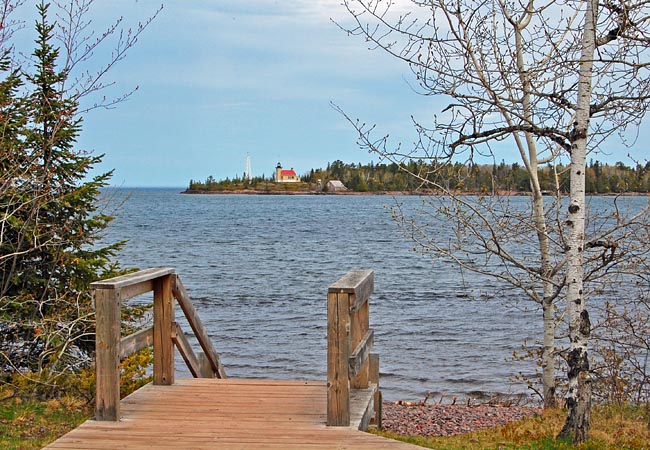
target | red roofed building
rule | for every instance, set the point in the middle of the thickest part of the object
(285, 176)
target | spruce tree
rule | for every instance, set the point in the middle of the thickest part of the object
(16, 208)
(46, 304)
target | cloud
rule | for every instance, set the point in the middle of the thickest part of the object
(266, 49)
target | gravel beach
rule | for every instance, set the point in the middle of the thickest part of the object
(447, 420)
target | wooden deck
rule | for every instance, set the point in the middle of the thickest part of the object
(209, 413)
(214, 412)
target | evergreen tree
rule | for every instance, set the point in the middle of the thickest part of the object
(46, 312)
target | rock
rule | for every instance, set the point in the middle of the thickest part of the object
(417, 419)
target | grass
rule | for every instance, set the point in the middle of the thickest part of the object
(27, 423)
(30, 424)
(612, 428)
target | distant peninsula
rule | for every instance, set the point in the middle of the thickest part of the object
(417, 177)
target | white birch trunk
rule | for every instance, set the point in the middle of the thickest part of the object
(548, 350)
(548, 313)
(579, 393)
(548, 306)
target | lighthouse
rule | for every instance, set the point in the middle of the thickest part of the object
(285, 176)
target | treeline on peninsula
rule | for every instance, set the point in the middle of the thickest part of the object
(600, 178)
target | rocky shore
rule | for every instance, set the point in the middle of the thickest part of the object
(389, 193)
(431, 420)
(296, 192)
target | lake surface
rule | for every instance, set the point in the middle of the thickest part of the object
(258, 267)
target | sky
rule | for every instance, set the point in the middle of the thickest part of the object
(220, 80)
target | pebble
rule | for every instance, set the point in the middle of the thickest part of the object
(429, 420)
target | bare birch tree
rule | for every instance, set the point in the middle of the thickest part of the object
(558, 79)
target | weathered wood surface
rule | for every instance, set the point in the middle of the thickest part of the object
(136, 341)
(196, 324)
(224, 414)
(360, 283)
(362, 406)
(185, 349)
(132, 278)
(338, 353)
(107, 347)
(349, 343)
(359, 329)
(163, 317)
(205, 366)
(359, 356)
(373, 373)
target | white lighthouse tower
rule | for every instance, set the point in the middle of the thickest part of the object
(248, 176)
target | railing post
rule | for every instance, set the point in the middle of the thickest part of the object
(107, 359)
(360, 323)
(163, 318)
(338, 352)
(349, 344)
(205, 368)
(374, 378)
(107, 296)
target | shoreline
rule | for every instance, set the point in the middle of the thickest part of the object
(263, 192)
(394, 193)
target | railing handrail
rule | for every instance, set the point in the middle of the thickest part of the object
(139, 281)
(350, 340)
(201, 334)
(165, 333)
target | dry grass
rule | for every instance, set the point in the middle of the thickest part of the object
(27, 425)
(613, 428)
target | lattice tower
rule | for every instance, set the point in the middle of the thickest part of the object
(247, 173)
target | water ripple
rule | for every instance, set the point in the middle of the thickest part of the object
(258, 268)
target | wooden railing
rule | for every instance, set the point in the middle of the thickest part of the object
(108, 296)
(353, 394)
(352, 370)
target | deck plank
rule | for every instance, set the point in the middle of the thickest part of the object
(224, 414)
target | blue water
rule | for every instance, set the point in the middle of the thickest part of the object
(258, 267)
